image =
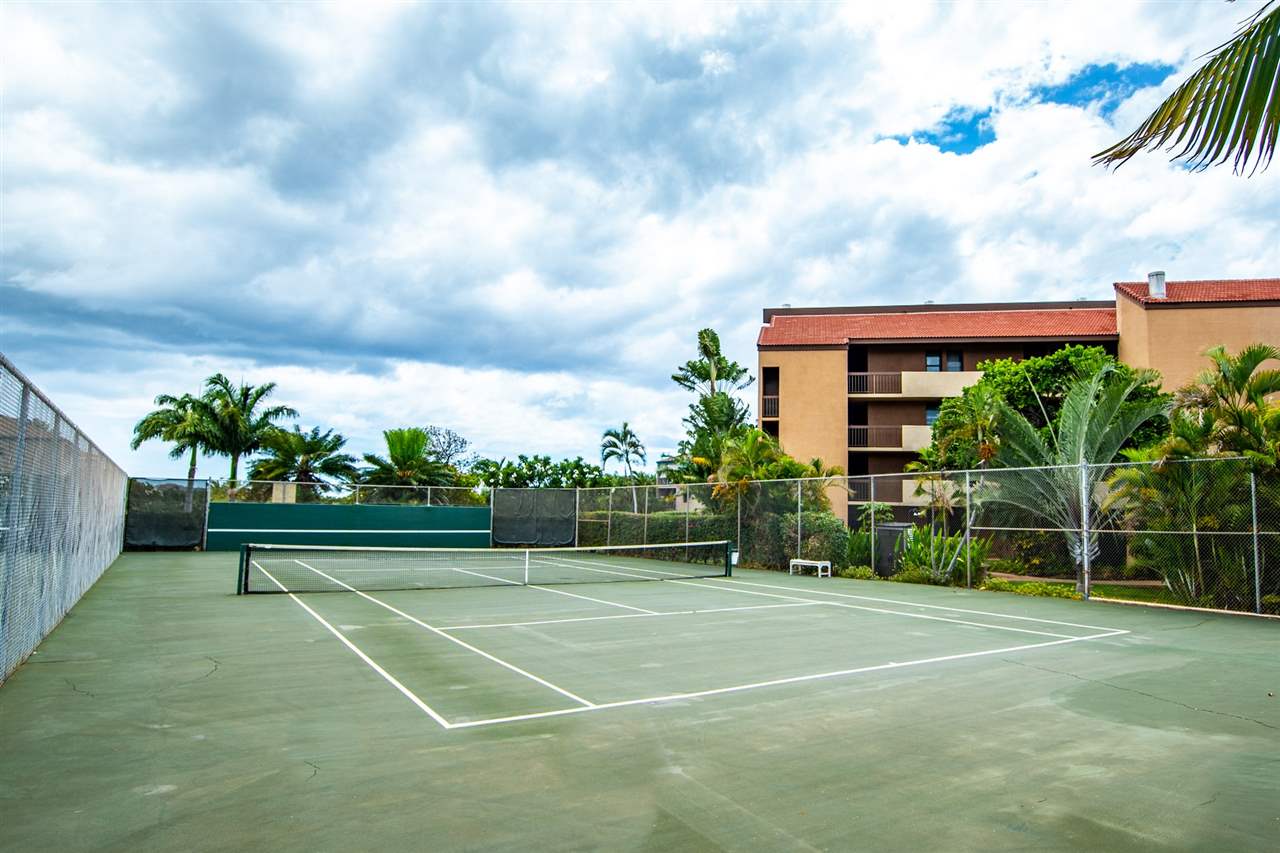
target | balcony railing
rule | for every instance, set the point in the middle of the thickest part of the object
(875, 383)
(769, 407)
(875, 436)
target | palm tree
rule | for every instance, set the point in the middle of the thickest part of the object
(181, 422)
(304, 457)
(1057, 480)
(1237, 394)
(239, 425)
(409, 462)
(624, 445)
(1227, 107)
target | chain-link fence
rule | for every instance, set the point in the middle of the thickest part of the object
(61, 515)
(1201, 533)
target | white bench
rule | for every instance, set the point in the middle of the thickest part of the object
(823, 567)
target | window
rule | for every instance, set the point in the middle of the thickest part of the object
(930, 413)
(955, 362)
(933, 362)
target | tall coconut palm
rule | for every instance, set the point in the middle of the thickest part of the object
(623, 445)
(1056, 480)
(1227, 108)
(409, 461)
(304, 457)
(1240, 398)
(240, 422)
(181, 422)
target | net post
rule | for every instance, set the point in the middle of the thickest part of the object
(242, 577)
(728, 559)
(1257, 563)
(526, 566)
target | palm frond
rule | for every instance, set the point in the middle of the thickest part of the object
(1229, 107)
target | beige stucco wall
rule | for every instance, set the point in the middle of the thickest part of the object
(1173, 340)
(812, 402)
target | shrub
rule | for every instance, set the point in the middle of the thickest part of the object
(941, 557)
(859, 551)
(917, 575)
(1040, 588)
(858, 573)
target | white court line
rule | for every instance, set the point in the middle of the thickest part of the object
(409, 694)
(917, 604)
(737, 688)
(452, 638)
(627, 616)
(889, 612)
(558, 592)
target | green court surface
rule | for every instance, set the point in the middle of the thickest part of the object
(758, 712)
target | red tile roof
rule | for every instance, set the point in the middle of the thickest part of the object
(839, 329)
(1209, 290)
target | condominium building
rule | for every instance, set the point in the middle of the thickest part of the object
(861, 386)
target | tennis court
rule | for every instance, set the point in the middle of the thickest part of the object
(568, 700)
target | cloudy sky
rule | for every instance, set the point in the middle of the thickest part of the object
(511, 219)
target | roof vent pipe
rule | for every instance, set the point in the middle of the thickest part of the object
(1155, 284)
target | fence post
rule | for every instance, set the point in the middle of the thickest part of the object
(1084, 527)
(644, 534)
(357, 495)
(968, 520)
(577, 518)
(608, 521)
(799, 515)
(1257, 563)
(428, 496)
(872, 508)
(686, 514)
(737, 542)
(17, 483)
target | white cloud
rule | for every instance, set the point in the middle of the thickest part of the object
(512, 221)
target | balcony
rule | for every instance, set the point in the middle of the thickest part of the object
(906, 437)
(912, 384)
(768, 407)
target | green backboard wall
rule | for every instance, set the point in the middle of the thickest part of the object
(232, 524)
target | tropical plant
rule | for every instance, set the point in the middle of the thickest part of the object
(941, 558)
(1229, 107)
(304, 457)
(238, 419)
(966, 434)
(711, 372)
(1056, 479)
(1234, 404)
(181, 422)
(623, 445)
(409, 461)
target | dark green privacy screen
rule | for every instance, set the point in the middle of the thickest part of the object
(546, 517)
(166, 513)
(233, 524)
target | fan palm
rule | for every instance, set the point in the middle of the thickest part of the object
(239, 421)
(1056, 480)
(304, 457)
(180, 421)
(1229, 106)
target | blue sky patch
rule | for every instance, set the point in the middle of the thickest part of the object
(961, 131)
(1105, 85)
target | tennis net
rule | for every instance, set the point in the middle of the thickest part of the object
(318, 568)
